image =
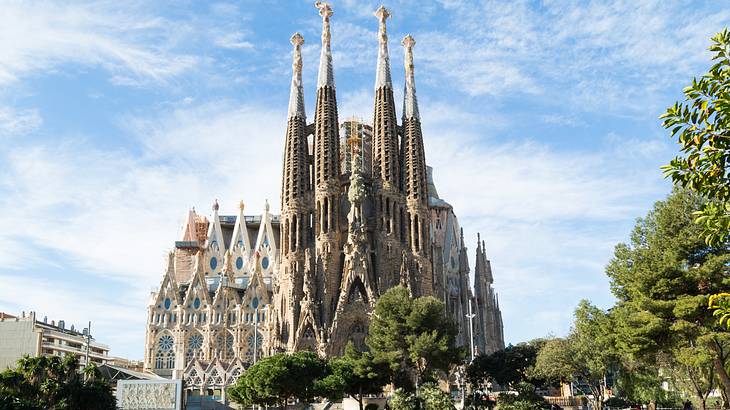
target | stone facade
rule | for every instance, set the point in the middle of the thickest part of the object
(359, 215)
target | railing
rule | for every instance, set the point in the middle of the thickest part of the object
(567, 401)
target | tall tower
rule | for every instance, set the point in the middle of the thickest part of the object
(489, 332)
(327, 183)
(415, 185)
(388, 197)
(296, 199)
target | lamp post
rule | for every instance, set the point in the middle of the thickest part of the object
(471, 316)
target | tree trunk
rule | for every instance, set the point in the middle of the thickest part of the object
(359, 396)
(719, 365)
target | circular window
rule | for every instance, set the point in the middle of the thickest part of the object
(265, 262)
(255, 303)
(195, 341)
(239, 263)
(213, 263)
(166, 342)
(167, 303)
(196, 303)
(258, 341)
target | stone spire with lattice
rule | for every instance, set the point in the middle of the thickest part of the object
(327, 183)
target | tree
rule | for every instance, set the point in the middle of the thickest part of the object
(586, 355)
(661, 281)
(701, 126)
(54, 383)
(355, 374)
(720, 305)
(525, 399)
(508, 366)
(277, 379)
(434, 398)
(414, 337)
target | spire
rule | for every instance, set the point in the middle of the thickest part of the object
(326, 76)
(386, 155)
(326, 128)
(410, 103)
(382, 75)
(296, 95)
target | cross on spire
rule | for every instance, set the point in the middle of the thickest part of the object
(326, 75)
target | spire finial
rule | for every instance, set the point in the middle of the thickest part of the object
(241, 205)
(382, 75)
(410, 103)
(326, 75)
(266, 205)
(296, 95)
(215, 205)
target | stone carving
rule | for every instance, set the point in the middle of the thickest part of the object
(158, 396)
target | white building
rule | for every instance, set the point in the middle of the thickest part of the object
(24, 335)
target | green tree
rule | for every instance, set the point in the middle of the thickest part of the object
(587, 355)
(508, 366)
(355, 374)
(661, 281)
(54, 383)
(525, 399)
(278, 379)
(434, 398)
(414, 337)
(404, 400)
(701, 125)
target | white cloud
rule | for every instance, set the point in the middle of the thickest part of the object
(37, 37)
(14, 122)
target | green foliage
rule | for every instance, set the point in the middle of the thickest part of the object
(354, 374)
(661, 280)
(638, 383)
(586, 355)
(720, 305)
(525, 399)
(54, 383)
(511, 365)
(701, 125)
(414, 337)
(276, 379)
(404, 400)
(434, 398)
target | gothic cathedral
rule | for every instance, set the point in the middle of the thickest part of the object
(359, 214)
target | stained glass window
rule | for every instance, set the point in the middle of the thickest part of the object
(239, 263)
(265, 262)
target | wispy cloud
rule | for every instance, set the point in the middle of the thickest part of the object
(38, 37)
(14, 122)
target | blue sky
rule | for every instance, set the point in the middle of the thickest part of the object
(540, 119)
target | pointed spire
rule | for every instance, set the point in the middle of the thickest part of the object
(382, 75)
(326, 75)
(296, 95)
(410, 103)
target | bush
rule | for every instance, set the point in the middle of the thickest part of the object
(525, 399)
(435, 399)
(371, 406)
(402, 400)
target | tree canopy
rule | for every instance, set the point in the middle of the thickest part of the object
(55, 383)
(507, 367)
(277, 379)
(414, 337)
(355, 374)
(701, 125)
(662, 279)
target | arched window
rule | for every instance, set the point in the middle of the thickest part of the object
(159, 360)
(165, 351)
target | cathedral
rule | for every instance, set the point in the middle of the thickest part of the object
(360, 214)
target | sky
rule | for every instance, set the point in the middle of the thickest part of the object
(540, 119)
